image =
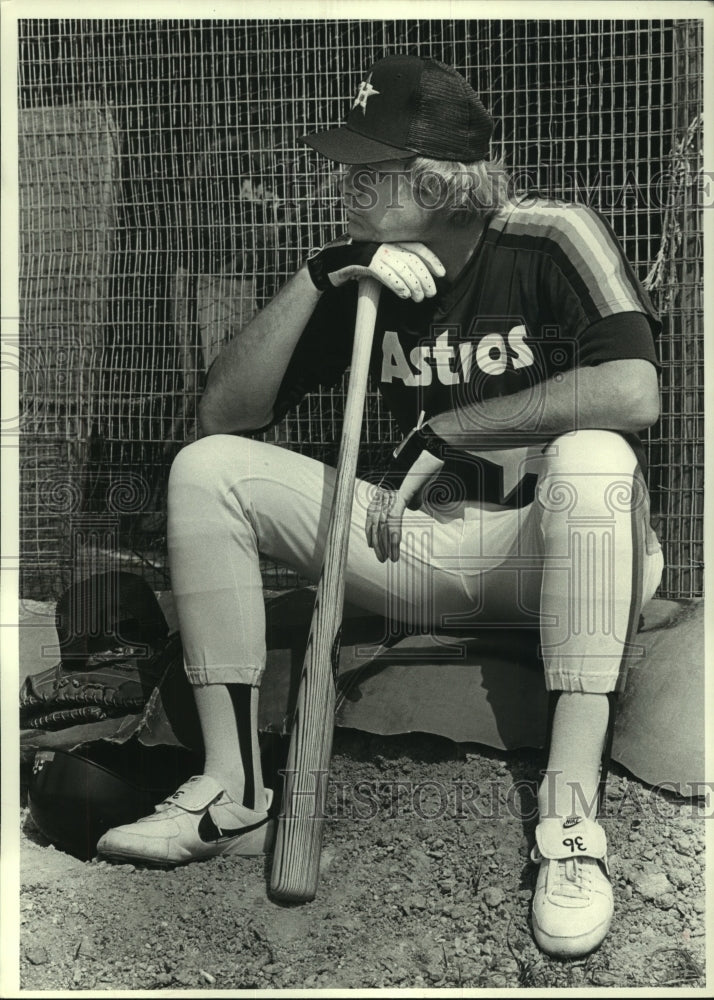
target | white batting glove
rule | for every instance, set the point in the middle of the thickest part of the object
(407, 269)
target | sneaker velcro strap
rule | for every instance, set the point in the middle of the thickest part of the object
(584, 838)
(227, 814)
(196, 794)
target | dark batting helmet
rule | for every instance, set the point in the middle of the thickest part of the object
(74, 799)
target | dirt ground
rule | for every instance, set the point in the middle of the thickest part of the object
(425, 883)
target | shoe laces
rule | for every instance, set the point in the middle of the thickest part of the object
(572, 877)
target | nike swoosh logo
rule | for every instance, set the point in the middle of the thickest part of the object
(210, 833)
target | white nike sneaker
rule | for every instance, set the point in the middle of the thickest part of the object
(573, 904)
(197, 822)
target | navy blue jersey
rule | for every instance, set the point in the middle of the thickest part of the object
(547, 289)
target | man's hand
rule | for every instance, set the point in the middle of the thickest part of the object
(384, 523)
(411, 468)
(407, 269)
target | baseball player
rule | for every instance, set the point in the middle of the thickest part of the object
(515, 350)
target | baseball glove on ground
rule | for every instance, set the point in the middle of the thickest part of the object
(113, 682)
(111, 633)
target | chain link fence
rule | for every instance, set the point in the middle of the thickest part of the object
(164, 199)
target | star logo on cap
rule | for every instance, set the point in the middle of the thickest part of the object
(366, 90)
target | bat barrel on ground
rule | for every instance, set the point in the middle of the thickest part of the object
(296, 862)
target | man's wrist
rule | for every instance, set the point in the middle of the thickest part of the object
(438, 425)
(305, 275)
(420, 448)
(430, 440)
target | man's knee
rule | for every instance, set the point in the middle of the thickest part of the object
(589, 451)
(590, 472)
(204, 463)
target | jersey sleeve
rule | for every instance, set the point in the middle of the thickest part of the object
(323, 352)
(592, 292)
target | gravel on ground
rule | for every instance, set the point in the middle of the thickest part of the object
(425, 883)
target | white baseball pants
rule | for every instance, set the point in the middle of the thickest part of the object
(580, 561)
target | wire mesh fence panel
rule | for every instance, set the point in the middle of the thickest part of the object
(165, 198)
(676, 281)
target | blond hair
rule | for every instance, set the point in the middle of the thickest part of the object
(463, 190)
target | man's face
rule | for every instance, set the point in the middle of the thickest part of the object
(380, 204)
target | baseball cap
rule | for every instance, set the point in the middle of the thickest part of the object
(95, 613)
(408, 106)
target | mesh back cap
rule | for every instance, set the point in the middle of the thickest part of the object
(97, 612)
(408, 106)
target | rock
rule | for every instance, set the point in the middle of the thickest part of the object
(652, 884)
(327, 858)
(415, 902)
(86, 949)
(185, 976)
(346, 923)
(493, 896)
(207, 976)
(417, 858)
(603, 978)
(681, 877)
(684, 845)
(666, 901)
(36, 954)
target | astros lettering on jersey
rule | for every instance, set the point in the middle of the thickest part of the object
(546, 290)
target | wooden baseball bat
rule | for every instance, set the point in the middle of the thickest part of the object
(296, 862)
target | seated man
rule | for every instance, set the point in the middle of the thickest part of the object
(515, 349)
